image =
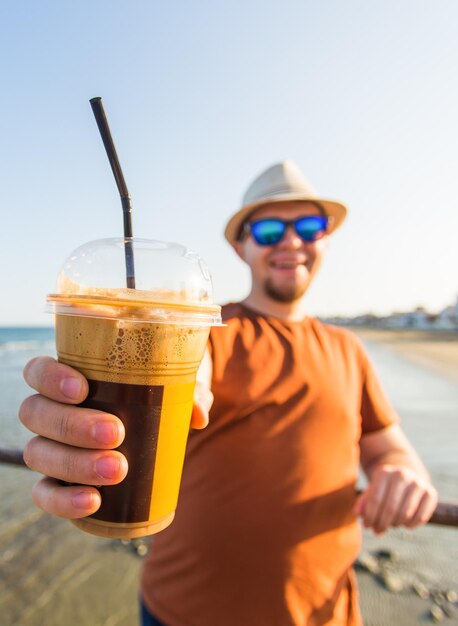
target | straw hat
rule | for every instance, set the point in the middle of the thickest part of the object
(281, 182)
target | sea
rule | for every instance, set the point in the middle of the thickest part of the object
(17, 347)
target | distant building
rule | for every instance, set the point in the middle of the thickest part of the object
(448, 318)
(417, 319)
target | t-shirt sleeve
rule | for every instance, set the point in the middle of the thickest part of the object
(377, 411)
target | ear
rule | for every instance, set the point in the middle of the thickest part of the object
(324, 241)
(239, 249)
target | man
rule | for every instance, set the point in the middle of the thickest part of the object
(266, 528)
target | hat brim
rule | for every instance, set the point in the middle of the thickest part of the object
(336, 210)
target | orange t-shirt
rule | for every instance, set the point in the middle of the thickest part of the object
(264, 534)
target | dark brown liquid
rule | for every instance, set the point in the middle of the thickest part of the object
(139, 408)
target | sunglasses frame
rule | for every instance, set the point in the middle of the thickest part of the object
(247, 228)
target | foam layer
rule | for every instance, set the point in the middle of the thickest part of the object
(130, 352)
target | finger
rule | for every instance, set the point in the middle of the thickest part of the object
(390, 506)
(425, 509)
(203, 400)
(374, 501)
(408, 506)
(75, 426)
(358, 507)
(71, 502)
(55, 380)
(199, 417)
(90, 467)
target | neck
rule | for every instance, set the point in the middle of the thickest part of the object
(287, 311)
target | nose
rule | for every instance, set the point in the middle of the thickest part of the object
(291, 239)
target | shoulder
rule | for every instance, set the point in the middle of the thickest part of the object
(233, 316)
(232, 311)
(231, 342)
(339, 337)
(236, 315)
(242, 329)
(336, 333)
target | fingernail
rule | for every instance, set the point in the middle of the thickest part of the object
(83, 500)
(105, 433)
(108, 467)
(71, 388)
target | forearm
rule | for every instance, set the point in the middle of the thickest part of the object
(402, 458)
(390, 447)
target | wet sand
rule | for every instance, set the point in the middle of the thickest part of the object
(53, 574)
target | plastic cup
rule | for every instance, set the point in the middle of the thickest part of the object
(140, 350)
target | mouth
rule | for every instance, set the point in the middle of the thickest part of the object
(287, 264)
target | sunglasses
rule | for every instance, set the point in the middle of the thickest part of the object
(271, 230)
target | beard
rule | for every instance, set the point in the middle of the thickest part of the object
(284, 293)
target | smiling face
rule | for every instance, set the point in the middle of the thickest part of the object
(282, 273)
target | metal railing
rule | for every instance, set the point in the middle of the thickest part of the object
(446, 513)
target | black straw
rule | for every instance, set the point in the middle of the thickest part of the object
(102, 123)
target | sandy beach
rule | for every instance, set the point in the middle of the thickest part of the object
(419, 371)
(53, 574)
(436, 350)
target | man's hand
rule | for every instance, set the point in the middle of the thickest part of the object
(400, 492)
(76, 444)
(396, 496)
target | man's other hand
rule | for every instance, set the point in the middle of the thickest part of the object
(396, 496)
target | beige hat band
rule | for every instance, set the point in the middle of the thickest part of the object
(281, 189)
(284, 196)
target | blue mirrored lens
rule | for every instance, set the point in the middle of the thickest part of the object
(311, 227)
(268, 232)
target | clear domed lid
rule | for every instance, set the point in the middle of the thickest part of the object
(168, 277)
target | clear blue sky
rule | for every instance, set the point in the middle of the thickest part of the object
(201, 96)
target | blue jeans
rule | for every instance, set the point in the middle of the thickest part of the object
(147, 619)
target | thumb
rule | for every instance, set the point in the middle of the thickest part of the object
(203, 400)
(358, 507)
